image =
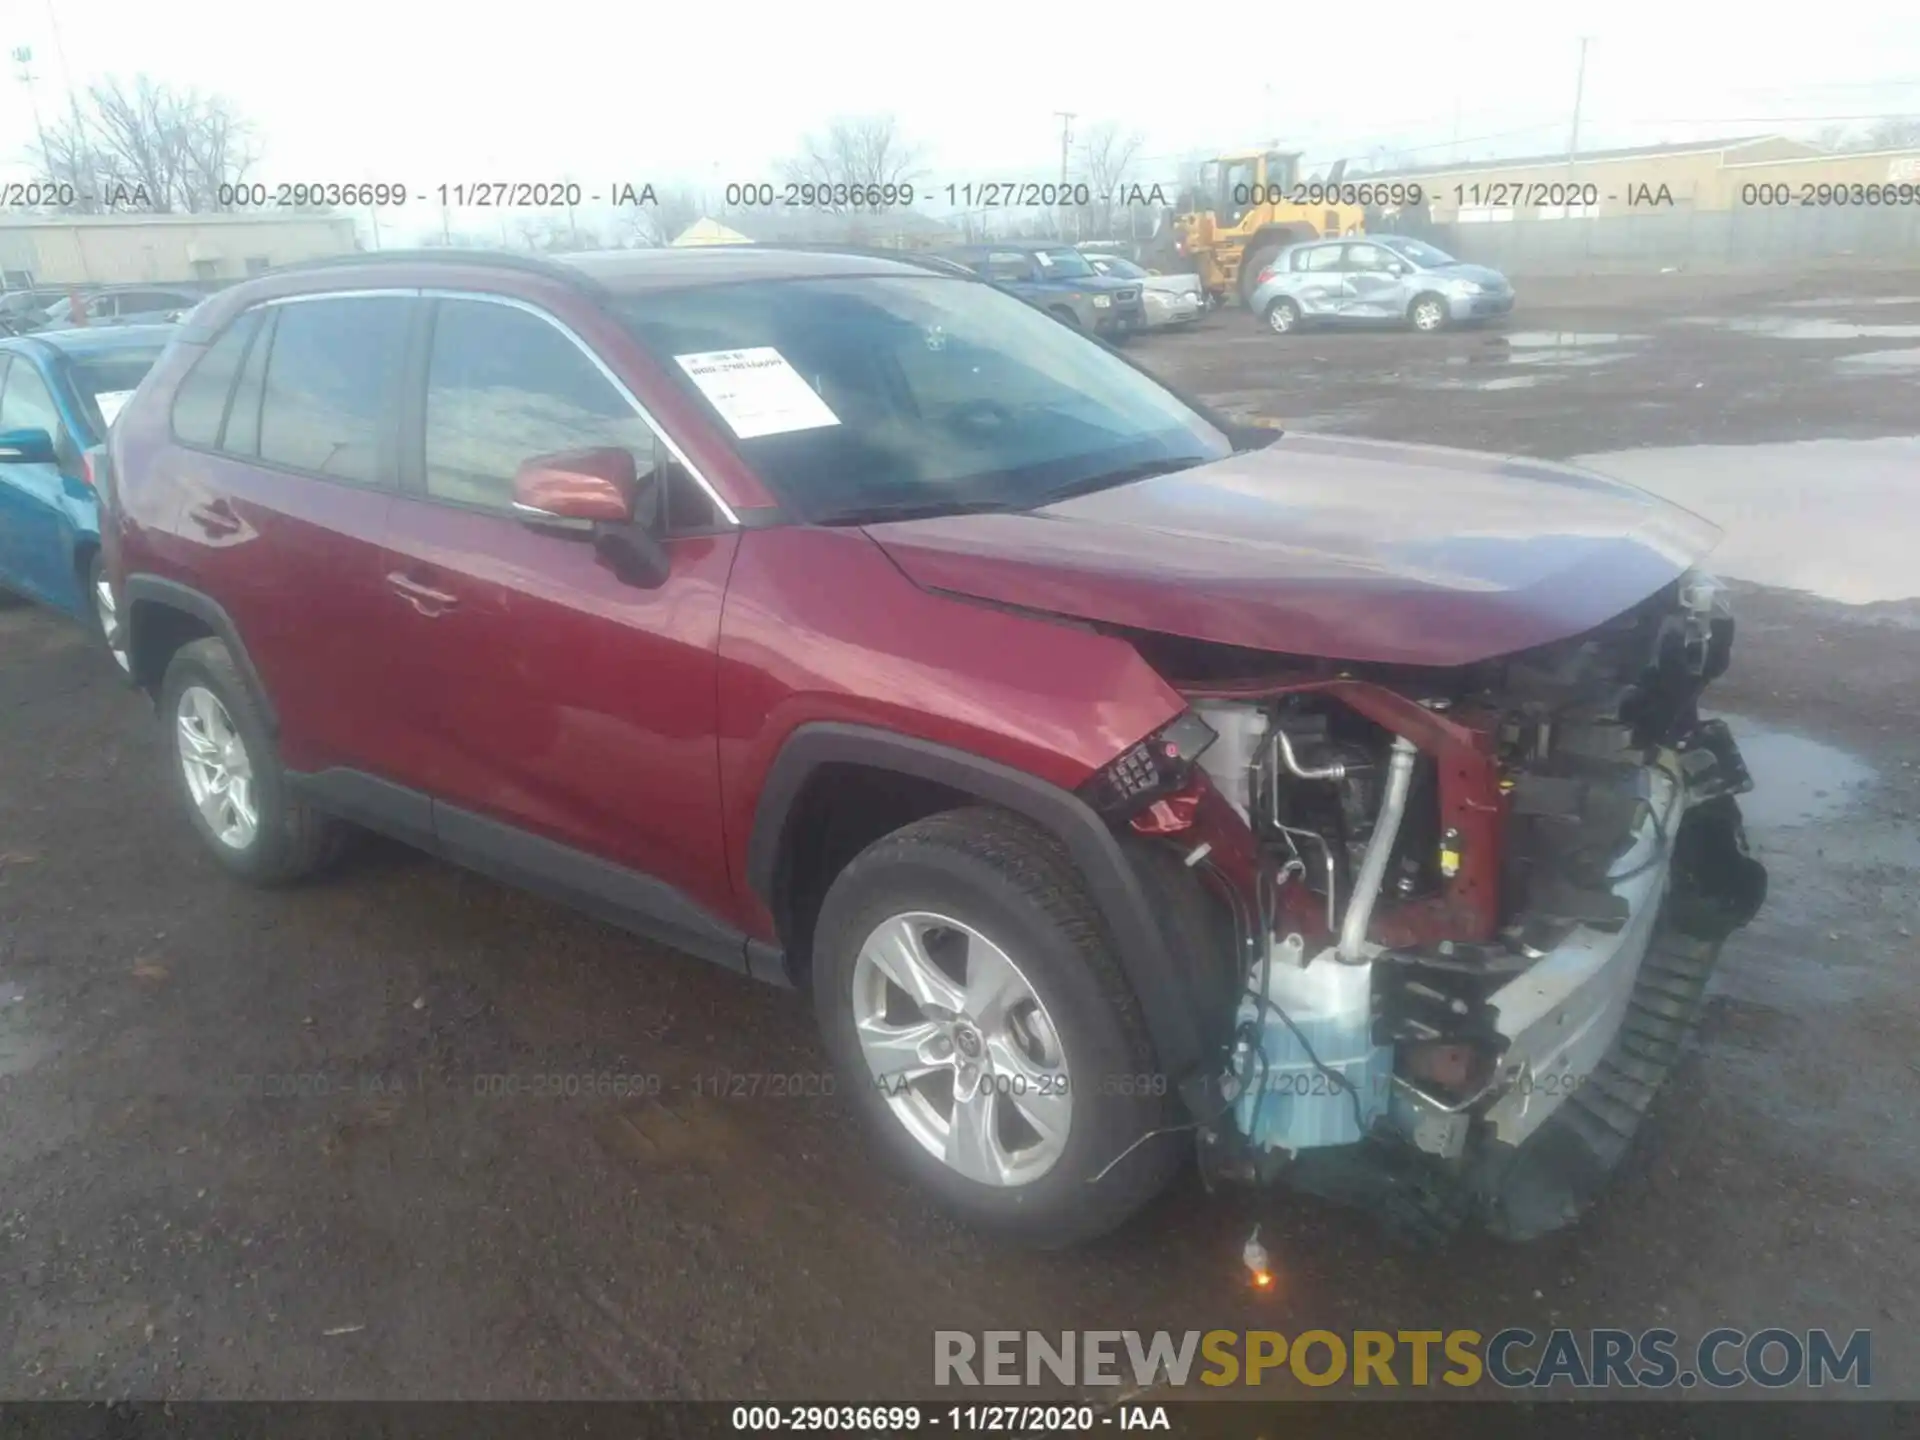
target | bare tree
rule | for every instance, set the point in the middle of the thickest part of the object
(1106, 160)
(858, 152)
(1893, 133)
(674, 208)
(1897, 134)
(147, 146)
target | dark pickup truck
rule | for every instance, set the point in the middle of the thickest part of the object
(1058, 279)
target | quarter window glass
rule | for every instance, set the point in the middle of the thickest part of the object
(504, 386)
(242, 436)
(331, 378)
(26, 404)
(202, 397)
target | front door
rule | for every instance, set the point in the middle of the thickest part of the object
(1375, 289)
(37, 554)
(550, 701)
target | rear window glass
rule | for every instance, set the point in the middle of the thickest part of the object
(202, 397)
(333, 373)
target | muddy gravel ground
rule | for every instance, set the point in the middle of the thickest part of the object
(250, 1146)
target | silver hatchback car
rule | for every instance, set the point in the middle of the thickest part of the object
(1381, 278)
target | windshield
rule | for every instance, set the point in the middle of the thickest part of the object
(1418, 251)
(1064, 263)
(874, 396)
(1123, 269)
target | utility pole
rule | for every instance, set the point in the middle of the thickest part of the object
(1579, 92)
(1066, 118)
(23, 57)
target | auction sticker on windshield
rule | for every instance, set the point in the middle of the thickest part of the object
(756, 391)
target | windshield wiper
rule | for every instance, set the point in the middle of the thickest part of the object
(910, 510)
(1125, 475)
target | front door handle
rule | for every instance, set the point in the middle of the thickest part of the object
(424, 598)
(214, 518)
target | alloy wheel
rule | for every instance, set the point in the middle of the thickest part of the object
(218, 771)
(963, 1049)
(1280, 317)
(1428, 315)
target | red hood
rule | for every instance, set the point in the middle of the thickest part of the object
(1320, 545)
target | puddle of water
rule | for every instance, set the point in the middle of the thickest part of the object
(1839, 518)
(1503, 382)
(1795, 327)
(1841, 302)
(1795, 780)
(1549, 357)
(1878, 362)
(1566, 339)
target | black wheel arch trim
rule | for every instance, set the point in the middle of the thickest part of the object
(153, 589)
(1167, 988)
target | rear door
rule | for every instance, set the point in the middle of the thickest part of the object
(283, 509)
(1320, 286)
(549, 699)
(36, 548)
(1373, 289)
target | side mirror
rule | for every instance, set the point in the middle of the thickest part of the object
(31, 446)
(593, 493)
(1399, 267)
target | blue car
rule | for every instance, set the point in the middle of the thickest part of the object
(59, 391)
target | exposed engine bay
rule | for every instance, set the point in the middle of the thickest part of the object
(1475, 910)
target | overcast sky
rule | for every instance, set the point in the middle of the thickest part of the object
(358, 90)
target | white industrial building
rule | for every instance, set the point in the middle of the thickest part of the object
(42, 250)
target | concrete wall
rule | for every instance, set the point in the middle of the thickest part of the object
(1695, 179)
(1750, 238)
(124, 249)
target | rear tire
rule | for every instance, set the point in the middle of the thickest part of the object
(987, 919)
(104, 609)
(227, 773)
(1283, 317)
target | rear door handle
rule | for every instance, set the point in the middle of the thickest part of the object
(424, 598)
(216, 517)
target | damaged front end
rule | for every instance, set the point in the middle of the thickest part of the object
(1475, 910)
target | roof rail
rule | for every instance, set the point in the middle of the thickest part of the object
(446, 255)
(925, 259)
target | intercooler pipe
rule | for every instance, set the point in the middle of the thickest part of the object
(1373, 866)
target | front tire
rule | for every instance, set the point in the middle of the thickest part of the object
(970, 1000)
(227, 772)
(1429, 314)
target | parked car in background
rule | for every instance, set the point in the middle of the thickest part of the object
(25, 310)
(1166, 299)
(1382, 279)
(123, 305)
(59, 394)
(847, 623)
(1059, 280)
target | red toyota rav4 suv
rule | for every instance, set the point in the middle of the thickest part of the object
(1114, 775)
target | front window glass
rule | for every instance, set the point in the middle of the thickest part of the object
(875, 396)
(505, 387)
(1063, 263)
(1421, 253)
